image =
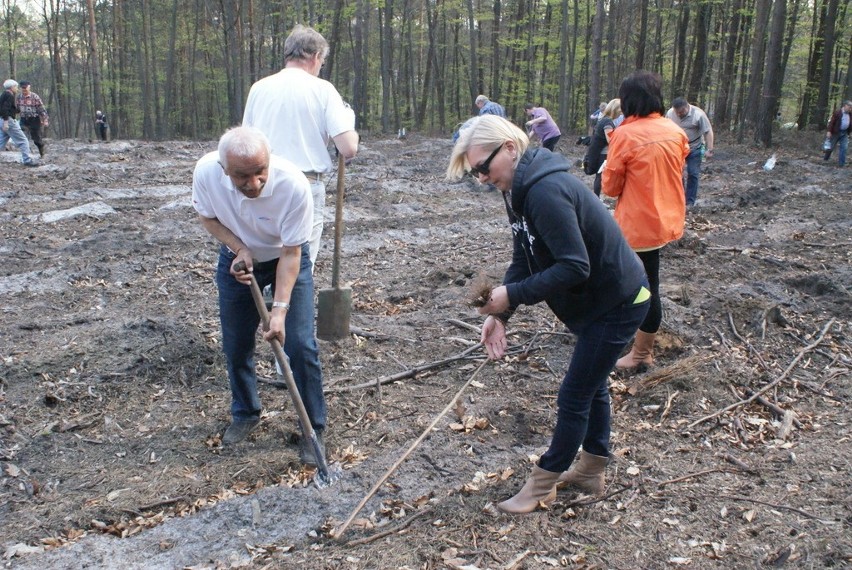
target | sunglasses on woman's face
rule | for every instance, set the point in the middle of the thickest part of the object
(484, 167)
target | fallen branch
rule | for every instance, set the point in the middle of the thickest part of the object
(338, 532)
(774, 506)
(771, 384)
(401, 526)
(693, 476)
(408, 373)
(779, 411)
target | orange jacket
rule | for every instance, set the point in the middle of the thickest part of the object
(644, 171)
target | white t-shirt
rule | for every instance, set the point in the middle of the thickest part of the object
(281, 216)
(298, 113)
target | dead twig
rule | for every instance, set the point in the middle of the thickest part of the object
(694, 475)
(751, 349)
(779, 411)
(398, 528)
(338, 532)
(774, 506)
(408, 373)
(464, 325)
(734, 461)
(772, 384)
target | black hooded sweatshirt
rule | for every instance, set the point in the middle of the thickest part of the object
(568, 249)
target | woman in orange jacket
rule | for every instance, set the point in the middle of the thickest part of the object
(643, 170)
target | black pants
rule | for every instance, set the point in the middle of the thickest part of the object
(33, 125)
(550, 143)
(651, 261)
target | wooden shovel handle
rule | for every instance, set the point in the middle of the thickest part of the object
(338, 223)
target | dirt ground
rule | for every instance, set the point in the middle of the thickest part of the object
(732, 452)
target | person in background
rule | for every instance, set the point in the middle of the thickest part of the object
(644, 172)
(569, 253)
(299, 113)
(839, 129)
(259, 207)
(489, 107)
(101, 125)
(595, 116)
(33, 114)
(542, 126)
(598, 148)
(11, 129)
(696, 125)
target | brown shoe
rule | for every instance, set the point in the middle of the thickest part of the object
(540, 489)
(587, 474)
(641, 353)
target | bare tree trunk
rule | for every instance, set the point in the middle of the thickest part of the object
(62, 126)
(821, 110)
(385, 35)
(698, 75)
(496, 62)
(726, 76)
(595, 60)
(475, 78)
(758, 52)
(680, 50)
(774, 75)
(93, 56)
(643, 34)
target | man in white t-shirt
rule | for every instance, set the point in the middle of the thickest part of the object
(300, 112)
(259, 206)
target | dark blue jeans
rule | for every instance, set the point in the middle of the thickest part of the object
(239, 318)
(693, 171)
(583, 405)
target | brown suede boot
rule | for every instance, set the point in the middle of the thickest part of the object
(641, 353)
(539, 488)
(587, 474)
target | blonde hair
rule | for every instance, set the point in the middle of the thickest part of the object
(487, 131)
(613, 109)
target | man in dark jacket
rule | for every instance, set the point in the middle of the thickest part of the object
(11, 129)
(839, 128)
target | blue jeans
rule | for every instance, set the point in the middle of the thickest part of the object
(693, 171)
(583, 406)
(841, 141)
(239, 318)
(19, 139)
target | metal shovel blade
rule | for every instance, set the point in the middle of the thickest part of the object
(333, 312)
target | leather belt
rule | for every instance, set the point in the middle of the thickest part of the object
(311, 175)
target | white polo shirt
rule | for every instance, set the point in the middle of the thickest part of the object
(298, 113)
(281, 216)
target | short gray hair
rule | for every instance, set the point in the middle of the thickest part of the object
(9, 83)
(481, 99)
(242, 142)
(303, 43)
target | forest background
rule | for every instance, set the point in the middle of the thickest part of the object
(172, 69)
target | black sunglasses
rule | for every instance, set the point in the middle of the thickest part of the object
(484, 167)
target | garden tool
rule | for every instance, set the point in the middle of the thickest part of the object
(334, 305)
(324, 476)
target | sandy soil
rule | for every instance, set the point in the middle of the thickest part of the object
(113, 394)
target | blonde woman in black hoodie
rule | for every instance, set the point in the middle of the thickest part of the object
(569, 253)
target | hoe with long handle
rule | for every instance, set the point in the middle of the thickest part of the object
(323, 477)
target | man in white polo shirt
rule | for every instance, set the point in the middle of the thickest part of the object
(299, 112)
(259, 206)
